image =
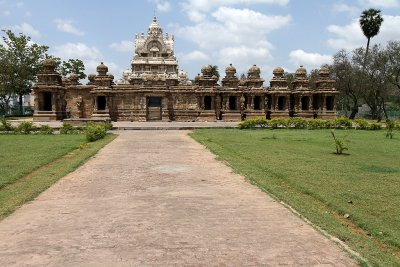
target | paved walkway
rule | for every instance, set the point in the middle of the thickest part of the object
(159, 198)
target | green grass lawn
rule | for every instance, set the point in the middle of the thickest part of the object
(29, 164)
(300, 168)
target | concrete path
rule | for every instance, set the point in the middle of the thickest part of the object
(158, 198)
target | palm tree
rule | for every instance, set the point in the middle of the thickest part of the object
(370, 22)
(215, 71)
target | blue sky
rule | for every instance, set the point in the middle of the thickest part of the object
(269, 33)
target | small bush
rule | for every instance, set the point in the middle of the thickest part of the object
(397, 125)
(45, 129)
(108, 125)
(278, 123)
(26, 128)
(340, 144)
(95, 131)
(342, 122)
(67, 128)
(5, 126)
(253, 123)
(297, 123)
(316, 124)
(375, 126)
(329, 124)
(361, 124)
(390, 126)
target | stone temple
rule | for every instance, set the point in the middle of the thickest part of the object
(154, 89)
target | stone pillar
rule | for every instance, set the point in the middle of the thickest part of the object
(250, 104)
(334, 102)
(310, 103)
(53, 102)
(323, 103)
(95, 103)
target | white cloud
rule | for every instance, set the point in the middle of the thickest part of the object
(195, 56)
(351, 10)
(207, 5)
(24, 28)
(231, 35)
(6, 13)
(350, 36)
(161, 6)
(91, 56)
(232, 26)
(67, 26)
(123, 46)
(309, 60)
(380, 3)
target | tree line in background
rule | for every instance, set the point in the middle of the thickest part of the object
(20, 61)
(369, 76)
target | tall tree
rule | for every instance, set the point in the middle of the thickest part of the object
(24, 60)
(393, 54)
(347, 71)
(289, 78)
(370, 22)
(6, 81)
(313, 76)
(377, 89)
(75, 66)
(215, 71)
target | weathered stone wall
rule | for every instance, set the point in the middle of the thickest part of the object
(79, 102)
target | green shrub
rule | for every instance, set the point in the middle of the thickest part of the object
(390, 126)
(341, 122)
(5, 126)
(361, 124)
(95, 131)
(397, 125)
(67, 128)
(26, 127)
(297, 123)
(108, 125)
(340, 144)
(253, 123)
(247, 124)
(375, 126)
(316, 124)
(278, 123)
(45, 129)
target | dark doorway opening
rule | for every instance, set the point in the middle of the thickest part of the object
(232, 103)
(292, 103)
(257, 102)
(304, 103)
(329, 102)
(154, 108)
(269, 102)
(101, 102)
(316, 102)
(281, 103)
(207, 102)
(47, 101)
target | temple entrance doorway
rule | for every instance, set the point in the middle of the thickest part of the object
(47, 103)
(154, 108)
